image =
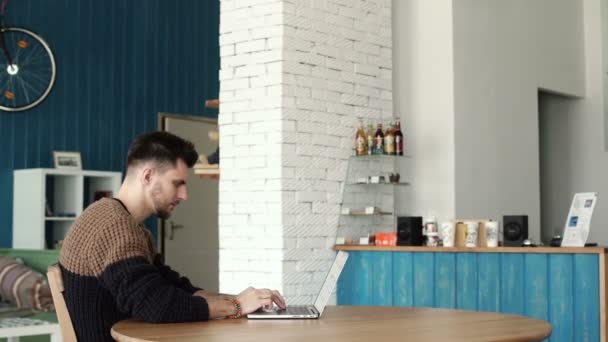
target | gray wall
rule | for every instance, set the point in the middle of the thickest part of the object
(504, 52)
(468, 73)
(573, 142)
(423, 91)
(604, 42)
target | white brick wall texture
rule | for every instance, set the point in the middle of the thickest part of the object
(295, 78)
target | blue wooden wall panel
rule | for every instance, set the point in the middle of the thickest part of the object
(363, 281)
(536, 286)
(466, 281)
(382, 278)
(424, 282)
(512, 284)
(346, 290)
(403, 278)
(560, 286)
(586, 304)
(488, 275)
(346, 281)
(119, 63)
(445, 279)
(120, 73)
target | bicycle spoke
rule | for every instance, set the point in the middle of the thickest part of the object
(9, 45)
(18, 51)
(40, 60)
(35, 82)
(18, 54)
(34, 88)
(8, 88)
(11, 87)
(25, 92)
(3, 87)
(39, 82)
(6, 99)
(32, 52)
(43, 82)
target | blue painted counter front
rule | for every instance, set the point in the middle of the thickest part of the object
(561, 288)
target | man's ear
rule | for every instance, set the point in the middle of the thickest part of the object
(147, 174)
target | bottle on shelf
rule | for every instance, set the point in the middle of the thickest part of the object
(389, 140)
(379, 140)
(360, 141)
(370, 138)
(398, 138)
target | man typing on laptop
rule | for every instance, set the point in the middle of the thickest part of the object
(308, 311)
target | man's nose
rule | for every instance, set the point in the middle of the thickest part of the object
(183, 194)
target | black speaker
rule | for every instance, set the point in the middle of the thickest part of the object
(409, 231)
(515, 230)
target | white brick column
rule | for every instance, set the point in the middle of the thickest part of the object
(295, 77)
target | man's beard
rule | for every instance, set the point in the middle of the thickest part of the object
(163, 214)
(162, 211)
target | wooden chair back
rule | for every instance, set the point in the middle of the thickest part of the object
(65, 322)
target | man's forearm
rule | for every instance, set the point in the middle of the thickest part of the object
(132, 281)
(220, 305)
(209, 295)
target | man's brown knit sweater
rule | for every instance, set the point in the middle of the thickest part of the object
(111, 272)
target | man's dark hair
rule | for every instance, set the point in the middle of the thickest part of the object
(163, 148)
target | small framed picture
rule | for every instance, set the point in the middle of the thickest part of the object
(67, 160)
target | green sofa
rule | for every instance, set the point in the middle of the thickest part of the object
(38, 260)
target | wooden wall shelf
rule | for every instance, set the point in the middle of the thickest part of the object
(212, 103)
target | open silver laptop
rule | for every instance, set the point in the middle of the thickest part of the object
(309, 311)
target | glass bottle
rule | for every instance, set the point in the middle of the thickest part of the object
(379, 140)
(370, 138)
(360, 141)
(398, 139)
(389, 140)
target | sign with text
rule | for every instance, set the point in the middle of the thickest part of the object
(578, 221)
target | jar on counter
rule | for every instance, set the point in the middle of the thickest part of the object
(432, 239)
(431, 231)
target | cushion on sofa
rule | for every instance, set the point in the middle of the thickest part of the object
(24, 287)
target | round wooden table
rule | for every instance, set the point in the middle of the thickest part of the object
(349, 324)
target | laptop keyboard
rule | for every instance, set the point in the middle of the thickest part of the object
(294, 310)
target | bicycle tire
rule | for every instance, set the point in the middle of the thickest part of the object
(53, 72)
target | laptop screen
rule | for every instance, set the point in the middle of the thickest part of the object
(330, 281)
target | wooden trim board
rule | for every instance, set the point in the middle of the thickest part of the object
(558, 250)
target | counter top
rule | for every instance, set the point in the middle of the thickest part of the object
(555, 250)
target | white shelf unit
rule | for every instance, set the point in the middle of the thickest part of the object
(65, 192)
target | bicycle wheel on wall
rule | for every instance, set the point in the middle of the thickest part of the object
(28, 78)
